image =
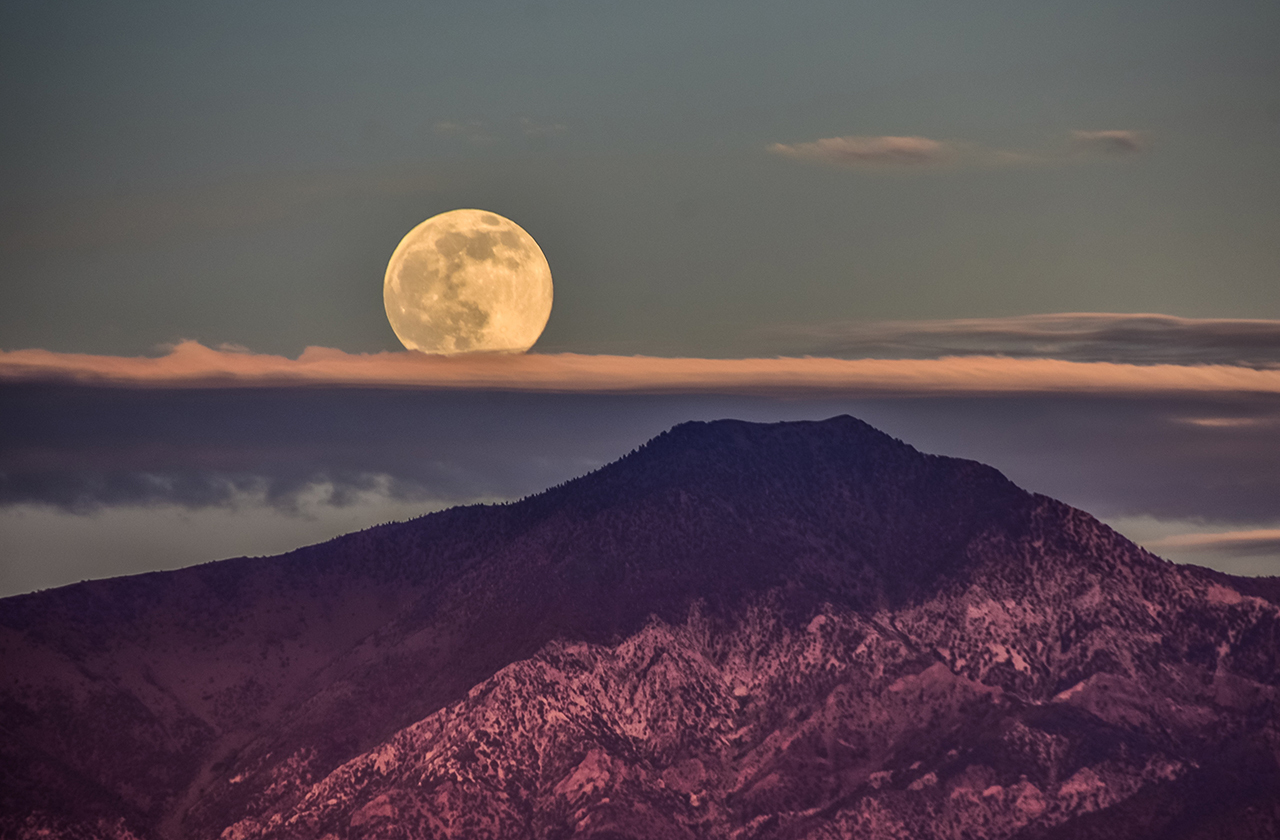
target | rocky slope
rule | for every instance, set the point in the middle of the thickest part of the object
(799, 630)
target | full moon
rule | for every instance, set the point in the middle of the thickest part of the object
(467, 281)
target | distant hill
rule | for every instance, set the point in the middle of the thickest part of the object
(791, 630)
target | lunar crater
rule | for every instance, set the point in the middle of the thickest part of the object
(468, 281)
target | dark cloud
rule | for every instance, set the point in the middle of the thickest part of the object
(1081, 337)
(1116, 458)
(1120, 143)
(97, 482)
(81, 449)
(1211, 459)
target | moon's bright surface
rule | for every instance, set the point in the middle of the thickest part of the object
(468, 281)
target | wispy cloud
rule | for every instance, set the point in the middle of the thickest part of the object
(473, 131)
(869, 151)
(1243, 543)
(915, 152)
(190, 364)
(1230, 422)
(1139, 339)
(530, 127)
(1114, 142)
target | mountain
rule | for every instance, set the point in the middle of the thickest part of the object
(793, 630)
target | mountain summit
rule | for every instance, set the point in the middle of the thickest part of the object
(792, 630)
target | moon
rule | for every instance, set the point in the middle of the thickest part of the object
(467, 281)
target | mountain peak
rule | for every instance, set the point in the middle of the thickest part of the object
(725, 441)
(801, 630)
(833, 500)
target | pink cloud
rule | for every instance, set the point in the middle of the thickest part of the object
(914, 152)
(1259, 541)
(868, 151)
(190, 364)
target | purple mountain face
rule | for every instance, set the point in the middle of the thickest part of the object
(796, 630)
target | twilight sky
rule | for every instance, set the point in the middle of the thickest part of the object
(710, 182)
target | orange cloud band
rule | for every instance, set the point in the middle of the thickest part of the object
(1266, 538)
(190, 364)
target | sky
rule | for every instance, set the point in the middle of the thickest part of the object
(1040, 235)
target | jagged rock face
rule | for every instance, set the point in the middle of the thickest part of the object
(801, 630)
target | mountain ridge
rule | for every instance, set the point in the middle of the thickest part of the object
(325, 653)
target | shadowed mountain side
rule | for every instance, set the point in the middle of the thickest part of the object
(228, 692)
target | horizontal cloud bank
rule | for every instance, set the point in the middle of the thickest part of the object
(915, 152)
(1142, 339)
(868, 151)
(190, 364)
(1264, 541)
(307, 463)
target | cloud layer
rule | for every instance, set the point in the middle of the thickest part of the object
(1109, 142)
(868, 151)
(312, 462)
(81, 449)
(204, 429)
(1257, 542)
(190, 364)
(1139, 339)
(915, 152)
